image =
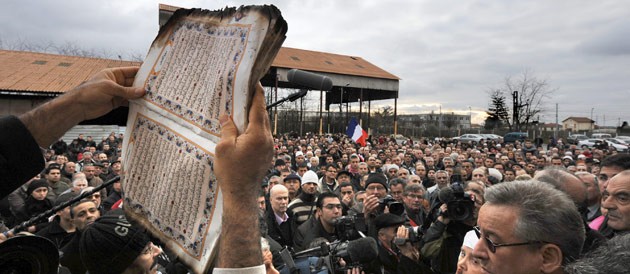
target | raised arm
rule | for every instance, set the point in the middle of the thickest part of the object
(241, 162)
(105, 91)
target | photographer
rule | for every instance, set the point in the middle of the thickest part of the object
(378, 202)
(456, 216)
(388, 253)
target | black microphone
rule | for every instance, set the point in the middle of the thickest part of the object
(363, 250)
(309, 79)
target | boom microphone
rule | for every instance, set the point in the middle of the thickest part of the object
(363, 250)
(309, 79)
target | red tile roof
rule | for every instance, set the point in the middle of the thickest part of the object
(579, 119)
(50, 73)
(329, 62)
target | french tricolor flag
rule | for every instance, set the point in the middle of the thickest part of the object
(355, 132)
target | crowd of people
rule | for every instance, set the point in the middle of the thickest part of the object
(534, 195)
(431, 206)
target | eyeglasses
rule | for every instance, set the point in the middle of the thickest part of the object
(332, 206)
(493, 247)
(148, 249)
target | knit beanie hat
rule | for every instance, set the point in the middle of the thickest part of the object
(35, 185)
(111, 244)
(310, 177)
(293, 176)
(378, 178)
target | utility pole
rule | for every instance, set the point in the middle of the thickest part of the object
(557, 128)
(592, 119)
(469, 118)
(515, 111)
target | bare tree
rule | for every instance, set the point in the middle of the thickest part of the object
(67, 48)
(529, 94)
(383, 120)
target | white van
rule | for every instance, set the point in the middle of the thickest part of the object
(601, 135)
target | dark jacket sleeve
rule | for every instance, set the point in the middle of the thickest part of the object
(434, 232)
(20, 156)
(409, 266)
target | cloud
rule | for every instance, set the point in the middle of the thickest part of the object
(613, 41)
(447, 53)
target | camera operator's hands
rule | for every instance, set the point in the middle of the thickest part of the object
(442, 215)
(355, 270)
(406, 248)
(370, 205)
(268, 262)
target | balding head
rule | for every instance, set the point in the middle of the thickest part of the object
(279, 198)
(565, 182)
(592, 187)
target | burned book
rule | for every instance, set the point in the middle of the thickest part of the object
(201, 65)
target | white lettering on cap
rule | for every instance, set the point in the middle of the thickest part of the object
(122, 227)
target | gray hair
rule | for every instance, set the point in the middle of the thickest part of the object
(610, 257)
(545, 214)
(442, 171)
(414, 188)
(554, 176)
(76, 180)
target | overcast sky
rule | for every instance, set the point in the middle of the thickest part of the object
(447, 53)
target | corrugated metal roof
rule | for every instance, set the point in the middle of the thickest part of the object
(49, 73)
(328, 62)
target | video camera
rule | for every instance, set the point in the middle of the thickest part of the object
(335, 257)
(395, 207)
(350, 227)
(459, 204)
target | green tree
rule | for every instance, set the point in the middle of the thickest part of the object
(498, 115)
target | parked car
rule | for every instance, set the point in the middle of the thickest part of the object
(596, 143)
(493, 137)
(515, 136)
(624, 138)
(618, 141)
(576, 138)
(468, 138)
(601, 135)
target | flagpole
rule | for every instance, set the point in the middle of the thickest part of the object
(321, 122)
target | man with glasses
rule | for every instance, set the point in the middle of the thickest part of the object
(328, 183)
(323, 225)
(413, 198)
(527, 227)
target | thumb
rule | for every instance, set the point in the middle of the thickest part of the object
(116, 90)
(131, 92)
(228, 128)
